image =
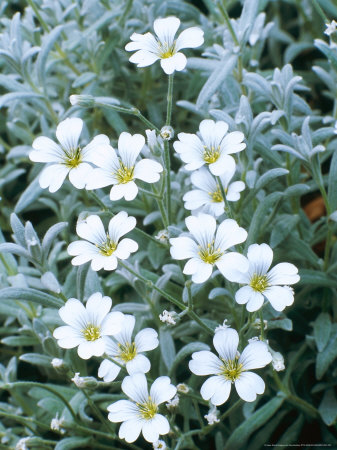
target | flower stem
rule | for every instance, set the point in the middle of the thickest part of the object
(169, 297)
(167, 146)
(228, 209)
(98, 413)
(262, 325)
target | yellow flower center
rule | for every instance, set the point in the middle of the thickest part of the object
(148, 409)
(91, 332)
(209, 254)
(216, 196)
(166, 50)
(124, 174)
(259, 282)
(231, 369)
(128, 351)
(211, 154)
(72, 158)
(108, 247)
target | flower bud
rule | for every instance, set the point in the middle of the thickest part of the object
(86, 101)
(84, 382)
(167, 133)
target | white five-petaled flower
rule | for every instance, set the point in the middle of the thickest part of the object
(212, 147)
(208, 194)
(127, 351)
(208, 248)
(230, 368)
(103, 249)
(67, 157)
(260, 283)
(88, 326)
(141, 413)
(330, 28)
(164, 46)
(121, 171)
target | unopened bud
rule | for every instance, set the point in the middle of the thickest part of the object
(84, 382)
(86, 101)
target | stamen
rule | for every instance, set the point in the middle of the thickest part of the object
(148, 409)
(91, 332)
(231, 369)
(124, 174)
(127, 352)
(108, 247)
(209, 254)
(216, 196)
(211, 154)
(259, 282)
(166, 50)
(72, 158)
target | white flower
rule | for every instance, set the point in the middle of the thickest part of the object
(213, 147)
(173, 403)
(167, 133)
(212, 416)
(141, 413)
(208, 195)
(127, 351)
(57, 363)
(22, 444)
(168, 317)
(257, 324)
(78, 380)
(262, 284)
(278, 360)
(103, 249)
(164, 46)
(56, 424)
(330, 28)
(223, 326)
(87, 327)
(230, 368)
(66, 158)
(121, 171)
(208, 248)
(159, 445)
(183, 388)
(163, 236)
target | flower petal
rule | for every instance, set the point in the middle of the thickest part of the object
(216, 389)
(176, 62)
(68, 132)
(166, 29)
(112, 323)
(162, 390)
(122, 410)
(53, 176)
(283, 273)
(129, 147)
(247, 295)
(260, 258)
(148, 170)
(46, 150)
(121, 224)
(143, 58)
(79, 175)
(91, 229)
(139, 363)
(135, 387)
(155, 427)
(248, 385)
(202, 227)
(190, 38)
(98, 307)
(205, 363)
(226, 343)
(130, 430)
(146, 339)
(108, 371)
(183, 248)
(255, 356)
(232, 265)
(73, 313)
(228, 234)
(87, 349)
(279, 297)
(125, 248)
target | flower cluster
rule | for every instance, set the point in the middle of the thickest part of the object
(212, 247)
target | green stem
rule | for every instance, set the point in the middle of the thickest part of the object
(320, 11)
(228, 209)
(262, 325)
(151, 194)
(98, 413)
(168, 297)
(46, 29)
(167, 146)
(229, 411)
(131, 111)
(47, 388)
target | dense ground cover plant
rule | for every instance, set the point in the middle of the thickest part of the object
(161, 163)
